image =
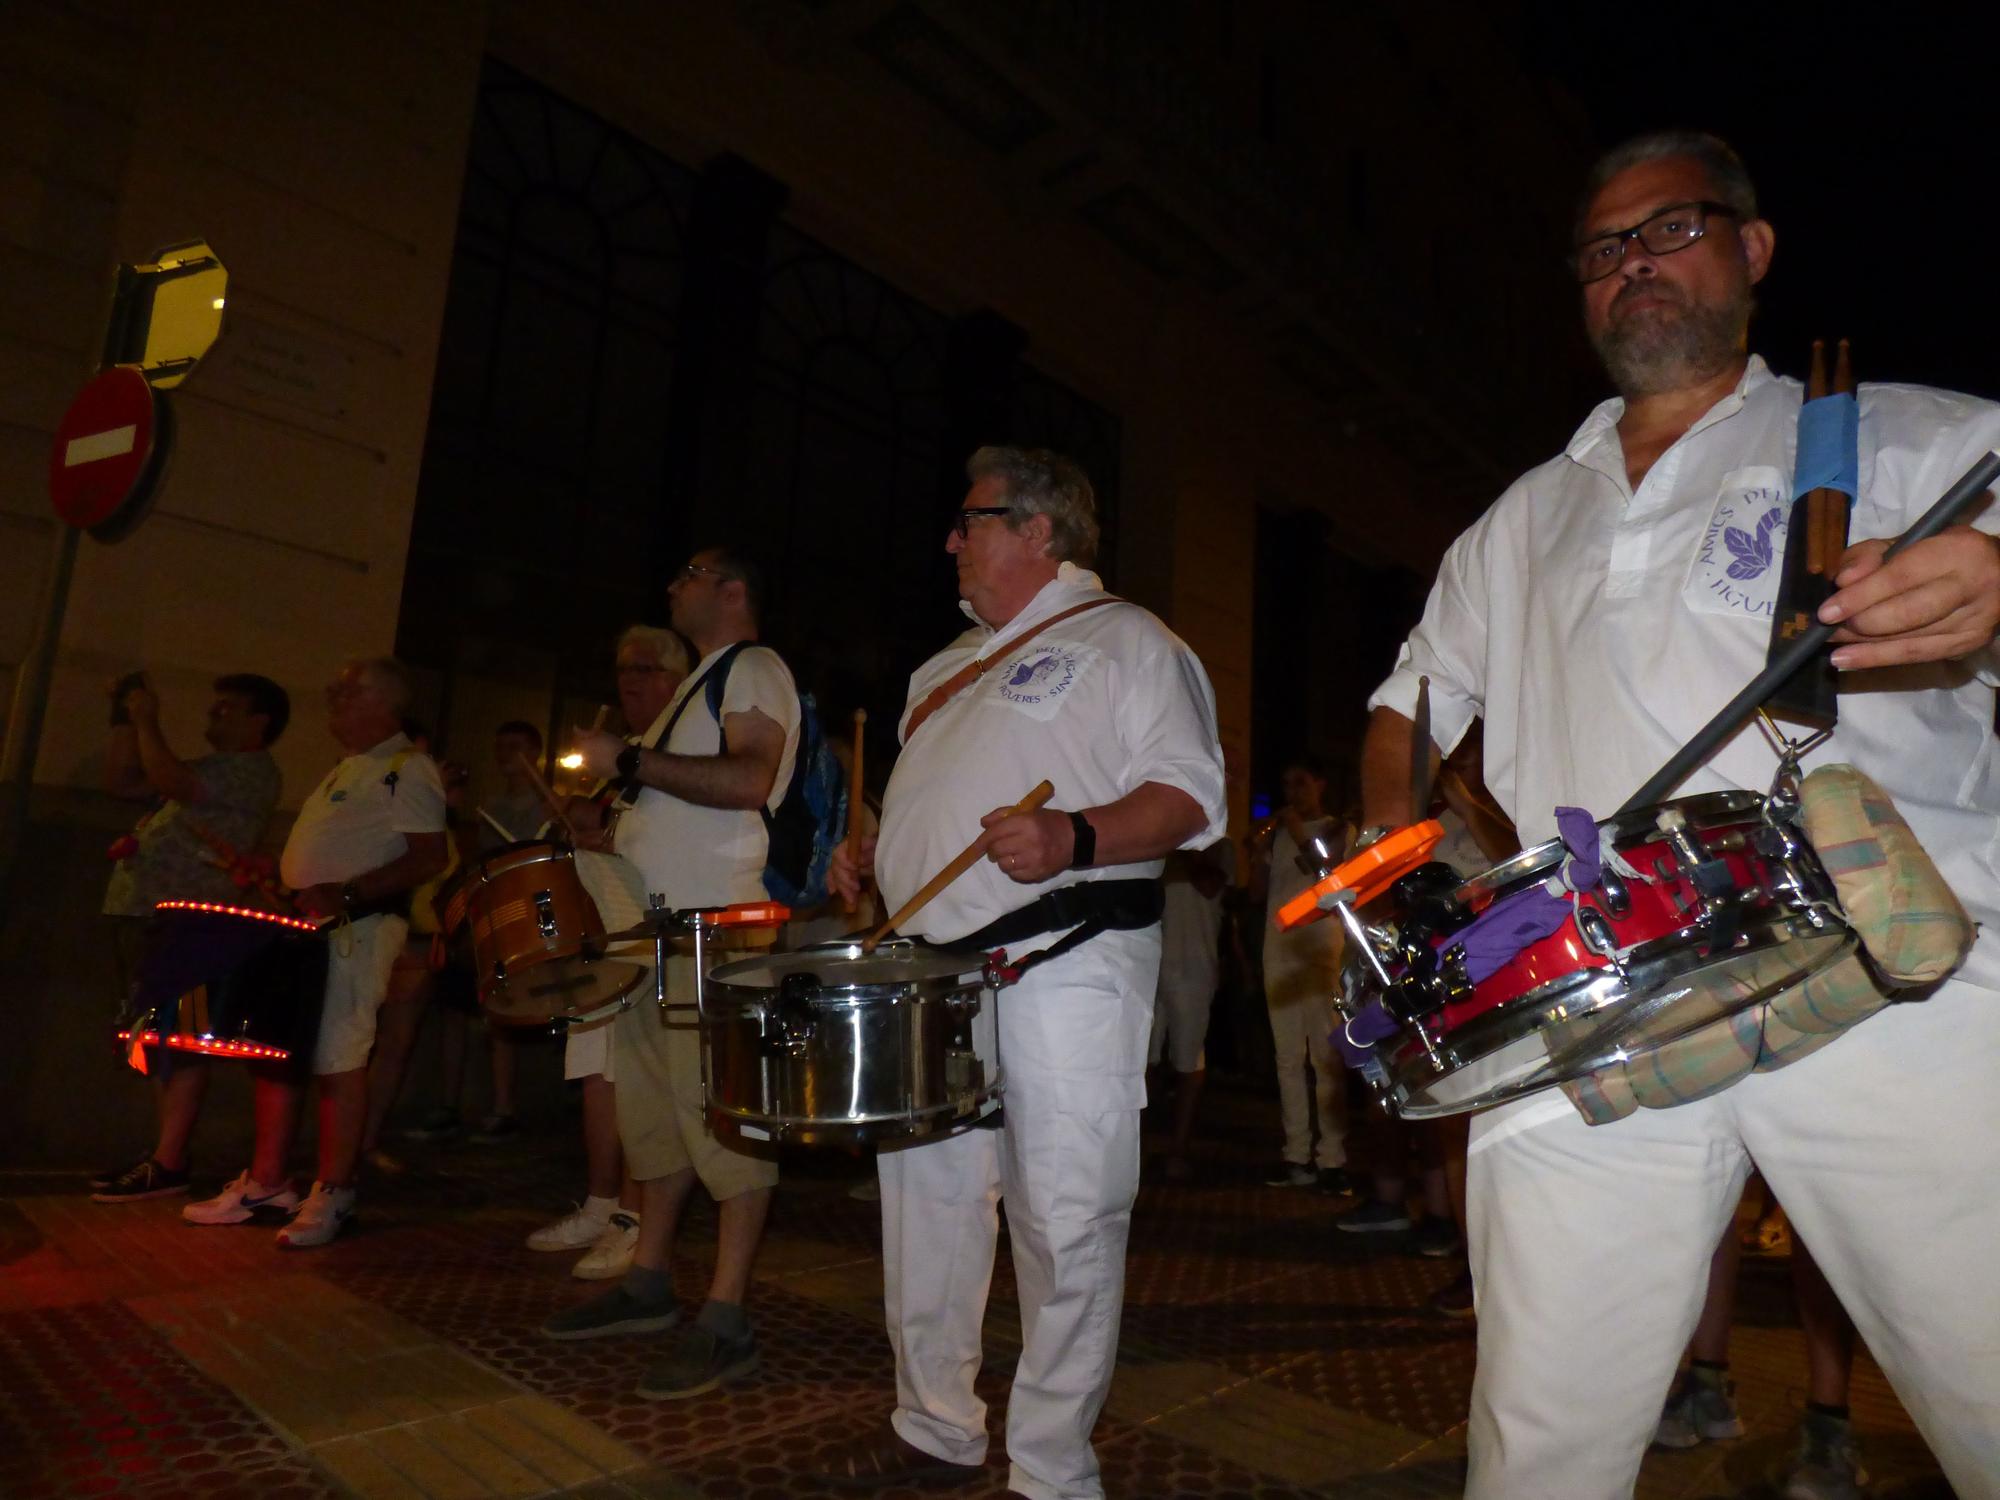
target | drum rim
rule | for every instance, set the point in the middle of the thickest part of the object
(473, 868)
(778, 1123)
(971, 967)
(1546, 857)
(1525, 1015)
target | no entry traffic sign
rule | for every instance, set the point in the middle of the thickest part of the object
(104, 463)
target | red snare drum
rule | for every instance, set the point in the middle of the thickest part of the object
(1728, 908)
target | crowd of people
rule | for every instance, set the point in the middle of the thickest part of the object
(1569, 647)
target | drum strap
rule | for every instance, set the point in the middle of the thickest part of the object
(973, 670)
(1087, 908)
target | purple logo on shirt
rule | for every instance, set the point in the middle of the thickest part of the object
(1028, 671)
(1751, 549)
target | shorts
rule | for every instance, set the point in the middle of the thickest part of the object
(587, 1049)
(359, 958)
(661, 1123)
(1180, 1021)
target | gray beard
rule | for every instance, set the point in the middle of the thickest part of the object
(1670, 348)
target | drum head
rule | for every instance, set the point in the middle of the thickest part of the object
(1567, 1031)
(843, 965)
(564, 989)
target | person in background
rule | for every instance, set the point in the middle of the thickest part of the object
(1193, 885)
(221, 800)
(1301, 970)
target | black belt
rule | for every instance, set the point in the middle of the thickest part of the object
(1086, 908)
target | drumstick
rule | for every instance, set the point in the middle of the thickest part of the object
(542, 790)
(965, 860)
(498, 826)
(854, 801)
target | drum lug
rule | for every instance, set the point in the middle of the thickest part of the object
(1595, 930)
(795, 1014)
(1617, 898)
(545, 912)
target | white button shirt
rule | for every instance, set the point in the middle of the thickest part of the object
(1597, 628)
(1097, 705)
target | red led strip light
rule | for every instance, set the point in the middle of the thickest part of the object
(210, 1046)
(297, 924)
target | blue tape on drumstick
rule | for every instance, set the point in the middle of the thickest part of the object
(1829, 442)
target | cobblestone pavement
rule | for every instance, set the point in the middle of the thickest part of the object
(1262, 1355)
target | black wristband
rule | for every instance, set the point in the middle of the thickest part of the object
(627, 763)
(1085, 853)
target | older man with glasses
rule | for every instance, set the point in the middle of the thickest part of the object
(1593, 622)
(651, 665)
(1054, 680)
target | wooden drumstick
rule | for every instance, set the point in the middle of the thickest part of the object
(965, 860)
(854, 803)
(543, 791)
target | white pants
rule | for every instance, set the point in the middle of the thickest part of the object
(1073, 1049)
(1591, 1244)
(1301, 1005)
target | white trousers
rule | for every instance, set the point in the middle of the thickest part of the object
(1590, 1245)
(1301, 1004)
(1066, 1160)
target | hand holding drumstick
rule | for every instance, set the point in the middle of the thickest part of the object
(966, 858)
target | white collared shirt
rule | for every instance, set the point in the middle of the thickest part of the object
(358, 819)
(1097, 705)
(1597, 628)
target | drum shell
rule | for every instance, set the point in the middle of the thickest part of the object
(846, 1062)
(522, 906)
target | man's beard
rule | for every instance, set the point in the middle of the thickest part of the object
(1667, 348)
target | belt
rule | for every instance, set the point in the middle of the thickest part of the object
(1086, 909)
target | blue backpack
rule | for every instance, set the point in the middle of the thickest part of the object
(812, 819)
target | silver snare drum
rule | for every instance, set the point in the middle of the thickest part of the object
(830, 1045)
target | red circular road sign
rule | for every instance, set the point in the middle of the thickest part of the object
(102, 458)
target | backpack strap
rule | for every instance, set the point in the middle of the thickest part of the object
(973, 670)
(628, 792)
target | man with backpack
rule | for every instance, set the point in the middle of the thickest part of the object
(705, 784)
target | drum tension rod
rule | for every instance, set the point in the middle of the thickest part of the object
(1342, 903)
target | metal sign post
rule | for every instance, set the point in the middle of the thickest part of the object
(105, 465)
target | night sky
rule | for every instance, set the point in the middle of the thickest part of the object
(1873, 134)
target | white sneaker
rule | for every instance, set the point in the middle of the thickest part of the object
(323, 1215)
(611, 1256)
(574, 1230)
(240, 1202)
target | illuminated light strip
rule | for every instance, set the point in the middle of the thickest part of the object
(298, 924)
(209, 1046)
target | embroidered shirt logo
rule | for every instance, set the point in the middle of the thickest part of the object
(1039, 679)
(1735, 567)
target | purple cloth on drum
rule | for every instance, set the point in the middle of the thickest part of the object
(1356, 1040)
(1579, 835)
(1498, 934)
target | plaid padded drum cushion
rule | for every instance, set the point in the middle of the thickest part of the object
(1912, 929)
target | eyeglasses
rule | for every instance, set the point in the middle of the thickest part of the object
(961, 520)
(1665, 232)
(693, 570)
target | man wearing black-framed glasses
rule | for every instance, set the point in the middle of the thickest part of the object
(1056, 680)
(1596, 617)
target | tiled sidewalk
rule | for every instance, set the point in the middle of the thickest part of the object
(1262, 1355)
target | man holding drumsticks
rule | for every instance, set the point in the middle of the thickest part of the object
(1100, 698)
(1594, 622)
